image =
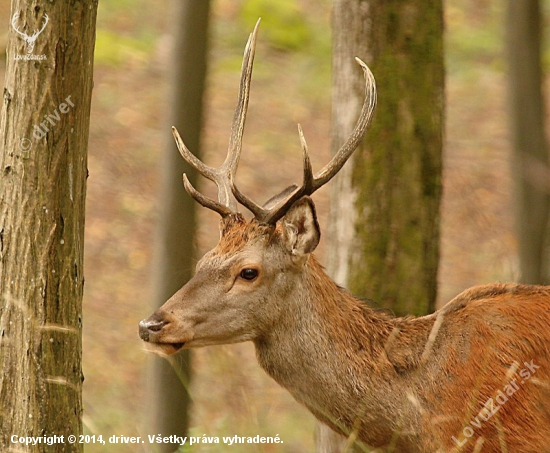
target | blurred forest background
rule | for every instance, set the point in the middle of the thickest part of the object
(291, 84)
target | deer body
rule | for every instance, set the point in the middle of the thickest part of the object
(356, 369)
(472, 377)
(409, 384)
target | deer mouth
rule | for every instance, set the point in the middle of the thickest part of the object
(164, 349)
(155, 331)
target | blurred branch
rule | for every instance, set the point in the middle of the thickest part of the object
(175, 241)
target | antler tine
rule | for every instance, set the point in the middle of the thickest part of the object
(308, 172)
(191, 159)
(224, 211)
(279, 205)
(226, 203)
(258, 211)
(237, 128)
(282, 201)
(347, 149)
(276, 206)
(224, 175)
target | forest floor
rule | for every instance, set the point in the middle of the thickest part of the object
(291, 84)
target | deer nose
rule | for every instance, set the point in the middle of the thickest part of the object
(150, 326)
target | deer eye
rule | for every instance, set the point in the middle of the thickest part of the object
(249, 274)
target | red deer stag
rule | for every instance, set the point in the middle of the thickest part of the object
(472, 377)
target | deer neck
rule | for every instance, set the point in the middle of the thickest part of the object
(328, 351)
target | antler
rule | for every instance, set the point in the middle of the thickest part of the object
(223, 176)
(277, 206)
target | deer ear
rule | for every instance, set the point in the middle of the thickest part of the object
(301, 232)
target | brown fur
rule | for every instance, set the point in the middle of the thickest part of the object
(404, 384)
(483, 332)
(236, 232)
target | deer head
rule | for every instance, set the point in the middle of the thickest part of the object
(29, 40)
(240, 286)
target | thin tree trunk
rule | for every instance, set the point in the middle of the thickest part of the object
(384, 222)
(44, 136)
(175, 245)
(529, 142)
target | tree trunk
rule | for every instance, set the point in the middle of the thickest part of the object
(384, 220)
(175, 244)
(397, 175)
(43, 157)
(530, 150)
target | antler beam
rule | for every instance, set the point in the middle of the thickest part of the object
(279, 205)
(224, 175)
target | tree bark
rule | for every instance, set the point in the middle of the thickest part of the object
(383, 235)
(530, 149)
(397, 175)
(43, 157)
(175, 244)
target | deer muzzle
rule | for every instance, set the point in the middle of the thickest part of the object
(153, 330)
(149, 328)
